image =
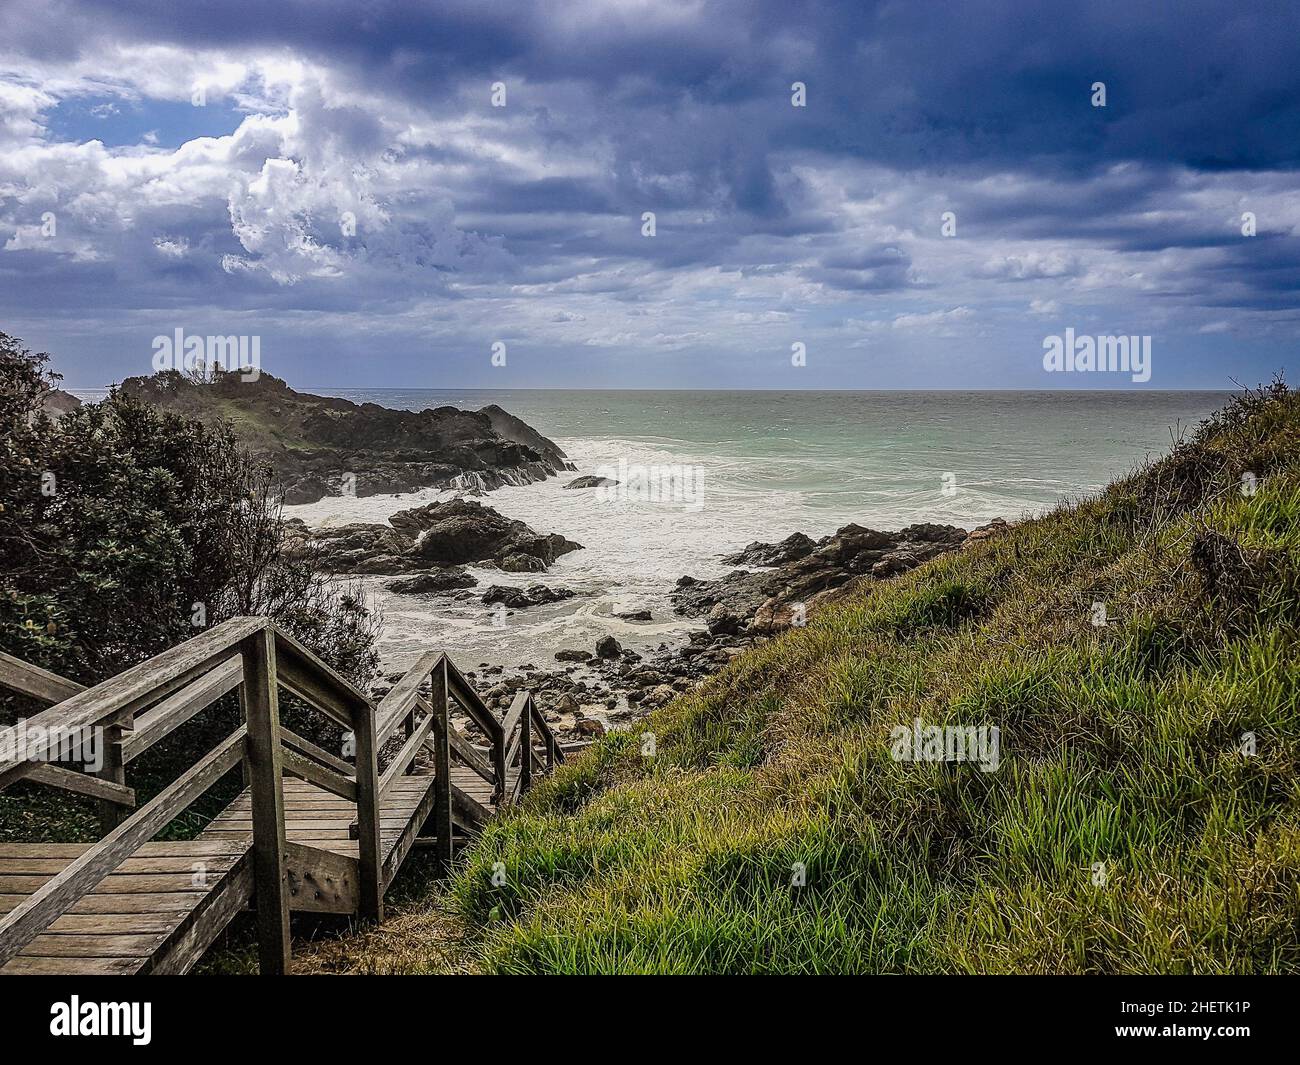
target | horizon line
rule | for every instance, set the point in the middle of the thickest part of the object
(559, 388)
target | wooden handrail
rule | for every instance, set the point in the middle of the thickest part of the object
(296, 674)
(179, 707)
(469, 754)
(313, 772)
(294, 742)
(344, 690)
(554, 754)
(510, 723)
(123, 694)
(403, 759)
(472, 703)
(402, 696)
(34, 682)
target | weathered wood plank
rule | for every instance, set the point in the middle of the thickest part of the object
(339, 692)
(402, 696)
(117, 945)
(156, 849)
(110, 923)
(405, 756)
(306, 769)
(187, 943)
(470, 808)
(82, 783)
(369, 833)
(33, 681)
(109, 902)
(398, 846)
(71, 966)
(303, 746)
(321, 881)
(36, 865)
(444, 736)
(178, 708)
(27, 920)
(297, 679)
(469, 754)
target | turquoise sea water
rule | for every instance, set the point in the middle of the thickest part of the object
(766, 464)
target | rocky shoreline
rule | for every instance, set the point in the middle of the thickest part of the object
(589, 693)
(319, 446)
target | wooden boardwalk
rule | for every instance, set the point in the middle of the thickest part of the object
(312, 832)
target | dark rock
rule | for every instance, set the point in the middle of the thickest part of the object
(608, 647)
(805, 574)
(464, 530)
(722, 621)
(572, 656)
(591, 481)
(521, 598)
(796, 545)
(633, 615)
(434, 537)
(437, 580)
(304, 490)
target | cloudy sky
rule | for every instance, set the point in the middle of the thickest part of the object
(199, 166)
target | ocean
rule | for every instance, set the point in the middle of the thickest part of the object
(749, 466)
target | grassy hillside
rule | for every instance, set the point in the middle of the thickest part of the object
(1120, 744)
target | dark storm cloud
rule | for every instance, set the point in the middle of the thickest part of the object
(684, 109)
(1207, 84)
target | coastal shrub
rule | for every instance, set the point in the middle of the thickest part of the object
(125, 530)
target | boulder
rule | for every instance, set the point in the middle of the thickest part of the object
(591, 481)
(435, 580)
(796, 545)
(521, 598)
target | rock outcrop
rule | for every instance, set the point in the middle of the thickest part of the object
(432, 538)
(323, 446)
(591, 481)
(522, 598)
(804, 573)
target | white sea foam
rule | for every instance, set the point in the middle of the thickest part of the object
(633, 549)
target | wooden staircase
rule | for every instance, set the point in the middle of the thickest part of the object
(311, 831)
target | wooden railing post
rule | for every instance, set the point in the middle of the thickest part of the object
(499, 742)
(369, 844)
(270, 882)
(442, 826)
(113, 769)
(526, 747)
